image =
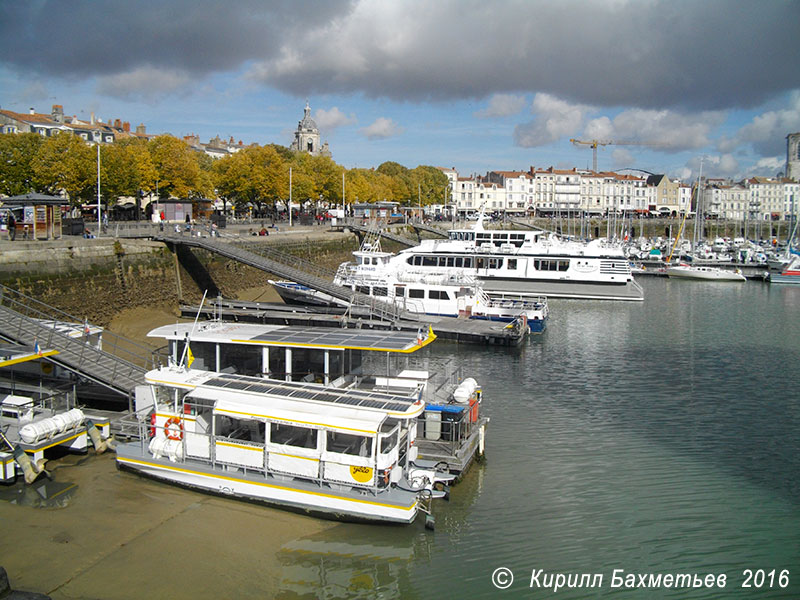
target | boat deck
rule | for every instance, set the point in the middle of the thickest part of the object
(458, 330)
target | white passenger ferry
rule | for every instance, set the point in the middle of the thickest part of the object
(531, 263)
(342, 453)
(451, 429)
(453, 295)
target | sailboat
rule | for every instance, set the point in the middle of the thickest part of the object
(701, 272)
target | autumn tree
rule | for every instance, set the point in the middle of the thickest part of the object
(428, 185)
(126, 170)
(16, 157)
(255, 175)
(177, 168)
(65, 163)
(400, 180)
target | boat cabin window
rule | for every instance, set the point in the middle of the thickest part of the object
(248, 430)
(277, 363)
(239, 358)
(549, 264)
(399, 291)
(308, 364)
(414, 293)
(364, 289)
(429, 261)
(380, 291)
(438, 295)
(495, 263)
(512, 264)
(292, 435)
(205, 354)
(389, 442)
(345, 443)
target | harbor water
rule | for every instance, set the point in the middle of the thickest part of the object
(657, 439)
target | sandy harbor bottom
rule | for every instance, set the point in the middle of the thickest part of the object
(110, 534)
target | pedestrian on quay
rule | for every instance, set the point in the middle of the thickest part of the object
(12, 227)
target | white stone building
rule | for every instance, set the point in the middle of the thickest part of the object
(793, 156)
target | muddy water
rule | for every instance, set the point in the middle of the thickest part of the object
(115, 535)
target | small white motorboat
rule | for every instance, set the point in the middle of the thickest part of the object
(684, 271)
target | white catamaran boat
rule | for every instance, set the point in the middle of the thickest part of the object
(510, 262)
(342, 453)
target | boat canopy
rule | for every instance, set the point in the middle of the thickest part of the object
(298, 337)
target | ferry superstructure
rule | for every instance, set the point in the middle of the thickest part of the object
(531, 263)
(347, 454)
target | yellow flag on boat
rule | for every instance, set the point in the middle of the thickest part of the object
(189, 356)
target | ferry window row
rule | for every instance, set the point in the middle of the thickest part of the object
(250, 430)
(465, 262)
(440, 261)
(400, 292)
(498, 239)
(549, 264)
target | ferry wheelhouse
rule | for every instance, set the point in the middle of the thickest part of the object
(342, 453)
(531, 263)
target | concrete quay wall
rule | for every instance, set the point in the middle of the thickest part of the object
(21, 259)
(97, 279)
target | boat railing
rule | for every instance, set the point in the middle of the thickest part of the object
(137, 426)
(44, 405)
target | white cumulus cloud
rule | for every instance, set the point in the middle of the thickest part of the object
(554, 118)
(381, 128)
(333, 118)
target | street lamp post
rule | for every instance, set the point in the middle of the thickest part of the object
(98, 185)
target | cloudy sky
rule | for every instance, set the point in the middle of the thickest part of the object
(469, 84)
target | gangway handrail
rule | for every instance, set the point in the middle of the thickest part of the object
(84, 358)
(47, 318)
(379, 308)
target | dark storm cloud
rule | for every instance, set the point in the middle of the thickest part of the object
(87, 38)
(646, 53)
(707, 54)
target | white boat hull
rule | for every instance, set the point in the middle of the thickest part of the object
(389, 506)
(704, 273)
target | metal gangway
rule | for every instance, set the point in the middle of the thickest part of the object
(365, 229)
(293, 268)
(118, 364)
(430, 229)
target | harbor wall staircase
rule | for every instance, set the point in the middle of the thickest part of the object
(119, 364)
(289, 267)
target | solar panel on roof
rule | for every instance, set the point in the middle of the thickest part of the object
(309, 391)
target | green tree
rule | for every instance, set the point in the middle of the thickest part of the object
(17, 152)
(65, 163)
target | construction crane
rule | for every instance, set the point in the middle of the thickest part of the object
(595, 143)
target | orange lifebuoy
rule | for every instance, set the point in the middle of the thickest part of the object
(152, 424)
(173, 433)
